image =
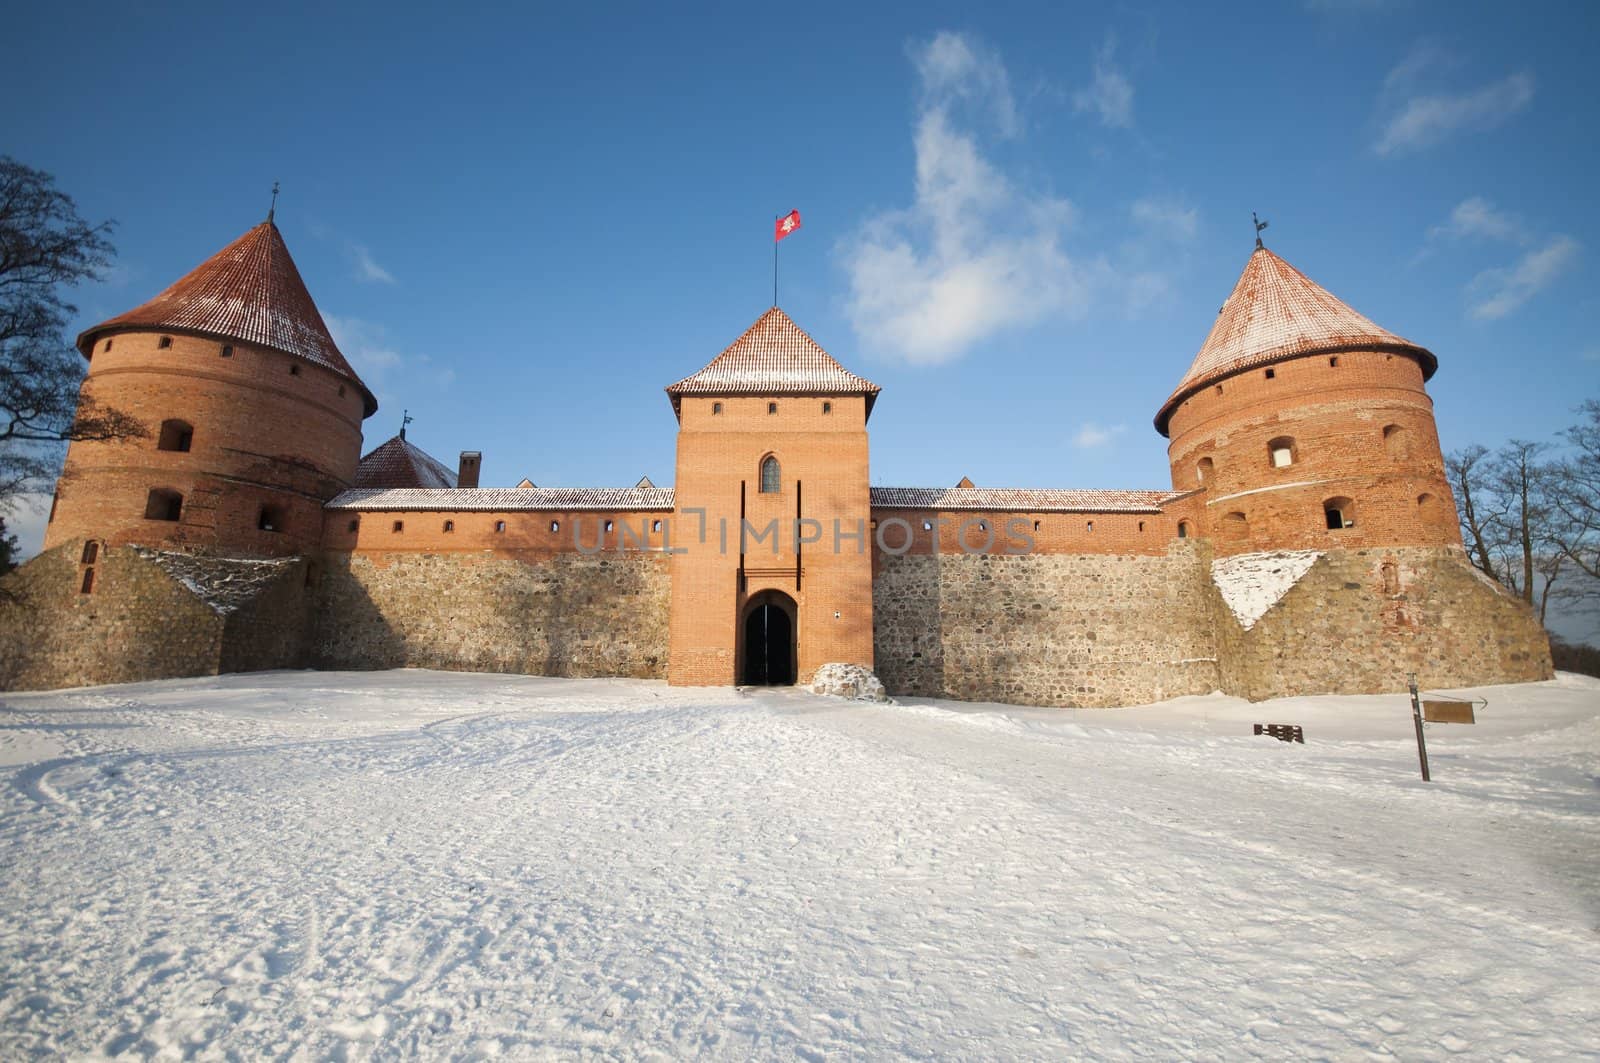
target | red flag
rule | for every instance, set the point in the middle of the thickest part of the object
(785, 225)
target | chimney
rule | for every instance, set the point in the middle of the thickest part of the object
(467, 473)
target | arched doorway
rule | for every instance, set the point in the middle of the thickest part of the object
(769, 640)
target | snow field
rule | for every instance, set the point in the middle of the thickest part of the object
(343, 865)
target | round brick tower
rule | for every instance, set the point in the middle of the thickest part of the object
(253, 416)
(1306, 426)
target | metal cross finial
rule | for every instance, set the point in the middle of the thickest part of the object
(274, 208)
(1259, 226)
(405, 419)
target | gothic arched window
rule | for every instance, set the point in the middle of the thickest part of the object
(771, 476)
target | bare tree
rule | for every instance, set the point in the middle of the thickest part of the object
(1575, 499)
(1507, 517)
(44, 246)
(1468, 471)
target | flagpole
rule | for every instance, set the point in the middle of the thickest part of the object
(775, 262)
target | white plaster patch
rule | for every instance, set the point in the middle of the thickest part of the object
(1253, 583)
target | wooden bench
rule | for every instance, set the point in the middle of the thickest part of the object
(1283, 732)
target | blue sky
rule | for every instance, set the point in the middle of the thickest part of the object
(1019, 222)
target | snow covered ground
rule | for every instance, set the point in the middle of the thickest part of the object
(320, 865)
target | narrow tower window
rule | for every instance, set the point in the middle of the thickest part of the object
(771, 476)
(108, 345)
(772, 407)
(175, 435)
(555, 525)
(87, 587)
(270, 519)
(227, 350)
(91, 551)
(399, 526)
(164, 342)
(1235, 528)
(827, 407)
(294, 369)
(1183, 529)
(1281, 451)
(716, 407)
(1340, 513)
(1204, 469)
(163, 503)
(449, 526)
(499, 526)
(1396, 442)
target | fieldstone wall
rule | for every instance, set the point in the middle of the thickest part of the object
(136, 623)
(1359, 620)
(562, 615)
(1046, 629)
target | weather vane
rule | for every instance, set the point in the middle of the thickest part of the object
(405, 419)
(1259, 226)
(274, 207)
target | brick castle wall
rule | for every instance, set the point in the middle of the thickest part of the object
(1358, 426)
(268, 430)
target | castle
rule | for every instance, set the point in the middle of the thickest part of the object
(1308, 544)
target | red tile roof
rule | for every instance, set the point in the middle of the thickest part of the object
(249, 291)
(774, 357)
(1045, 500)
(505, 499)
(1276, 313)
(398, 463)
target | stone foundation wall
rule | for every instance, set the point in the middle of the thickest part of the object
(1084, 630)
(1359, 620)
(566, 615)
(136, 623)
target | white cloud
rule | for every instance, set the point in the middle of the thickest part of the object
(1497, 292)
(1494, 293)
(975, 253)
(1478, 218)
(1110, 94)
(363, 344)
(367, 268)
(1166, 217)
(956, 68)
(1091, 435)
(1422, 121)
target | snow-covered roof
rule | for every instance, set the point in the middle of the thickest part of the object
(774, 357)
(505, 499)
(249, 291)
(1065, 500)
(399, 463)
(1276, 313)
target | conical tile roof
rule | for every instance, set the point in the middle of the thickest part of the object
(398, 463)
(774, 357)
(1276, 313)
(249, 291)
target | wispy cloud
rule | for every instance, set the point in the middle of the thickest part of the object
(367, 346)
(1478, 218)
(955, 68)
(367, 268)
(1090, 435)
(1421, 121)
(1169, 218)
(1497, 292)
(975, 253)
(1109, 95)
(1494, 293)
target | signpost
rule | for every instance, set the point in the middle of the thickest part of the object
(1416, 718)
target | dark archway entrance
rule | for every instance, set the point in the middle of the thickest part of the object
(769, 640)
